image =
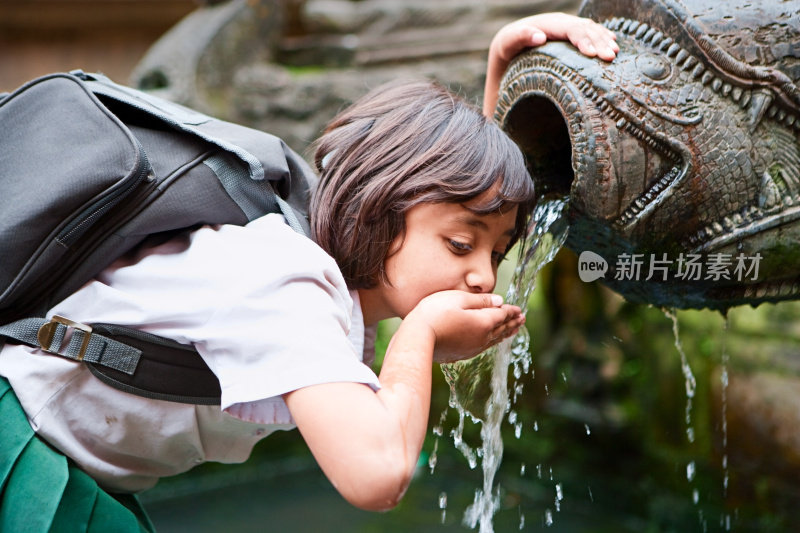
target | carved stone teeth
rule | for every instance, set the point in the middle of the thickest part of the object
(681, 57)
(772, 111)
(614, 23)
(641, 30)
(652, 36)
(633, 26)
(689, 63)
(736, 94)
(707, 78)
(726, 89)
(737, 219)
(727, 223)
(571, 107)
(746, 96)
(698, 69)
(673, 49)
(640, 203)
(621, 123)
(626, 25)
(716, 84)
(781, 115)
(665, 43)
(790, 120)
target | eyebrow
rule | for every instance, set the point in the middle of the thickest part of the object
(474, 221)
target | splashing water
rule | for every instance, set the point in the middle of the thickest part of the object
(691, 382)
(479, 386)
(724, 416)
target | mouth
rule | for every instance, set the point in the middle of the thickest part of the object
(566, 119)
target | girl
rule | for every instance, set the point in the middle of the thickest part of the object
(420, 197)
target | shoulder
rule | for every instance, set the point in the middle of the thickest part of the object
(231, 259)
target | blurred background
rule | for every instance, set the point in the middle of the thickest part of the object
(42, 36)
(631, 418)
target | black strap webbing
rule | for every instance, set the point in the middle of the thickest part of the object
(127, 359)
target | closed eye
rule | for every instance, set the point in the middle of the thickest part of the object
(459, 247)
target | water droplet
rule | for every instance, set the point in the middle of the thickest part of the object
(695, 496)
(545, 235)
(588, 431)
(443, 500)
(522, 470)
(548, 517)
(535, 425)
(690, 471)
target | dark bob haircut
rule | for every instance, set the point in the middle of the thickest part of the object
(399, 146)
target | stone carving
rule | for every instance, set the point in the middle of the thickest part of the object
(288, 66)
(682, 157)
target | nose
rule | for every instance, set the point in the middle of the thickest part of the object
(481, 275)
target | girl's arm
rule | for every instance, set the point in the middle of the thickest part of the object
(368, 442)
(590, 38)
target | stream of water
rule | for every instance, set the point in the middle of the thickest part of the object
(479, 386)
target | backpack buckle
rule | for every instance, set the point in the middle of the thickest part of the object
(53, 333)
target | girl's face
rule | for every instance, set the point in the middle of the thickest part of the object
(445, 246)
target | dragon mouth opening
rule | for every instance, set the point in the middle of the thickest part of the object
(549, 156)
(575, 139)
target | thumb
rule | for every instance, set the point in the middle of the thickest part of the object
(538, 37)
(482, 300)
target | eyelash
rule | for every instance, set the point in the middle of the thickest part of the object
(459, 247)
(463, 248)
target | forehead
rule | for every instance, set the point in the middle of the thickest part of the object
(450, 215)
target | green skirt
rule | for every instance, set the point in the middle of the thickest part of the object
(42, 490)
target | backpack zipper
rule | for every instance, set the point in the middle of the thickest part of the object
(83, 222)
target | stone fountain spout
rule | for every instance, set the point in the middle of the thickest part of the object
(681, 158)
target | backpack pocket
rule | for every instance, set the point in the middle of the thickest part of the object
(65, 163)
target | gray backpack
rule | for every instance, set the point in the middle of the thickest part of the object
(90, 169)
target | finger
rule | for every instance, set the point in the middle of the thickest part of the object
(507, 328)
(481, 301)
(521, 36)
(604, 42)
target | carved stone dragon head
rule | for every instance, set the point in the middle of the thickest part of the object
(681, 158)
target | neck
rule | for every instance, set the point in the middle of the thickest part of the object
(372, 307)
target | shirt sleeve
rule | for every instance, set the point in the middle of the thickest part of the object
(266, 308)
(284, 325)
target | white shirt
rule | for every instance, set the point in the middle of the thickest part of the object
(266, 308)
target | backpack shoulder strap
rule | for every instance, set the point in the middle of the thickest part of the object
(127, 359)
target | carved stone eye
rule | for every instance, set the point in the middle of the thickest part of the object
(653, 66)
